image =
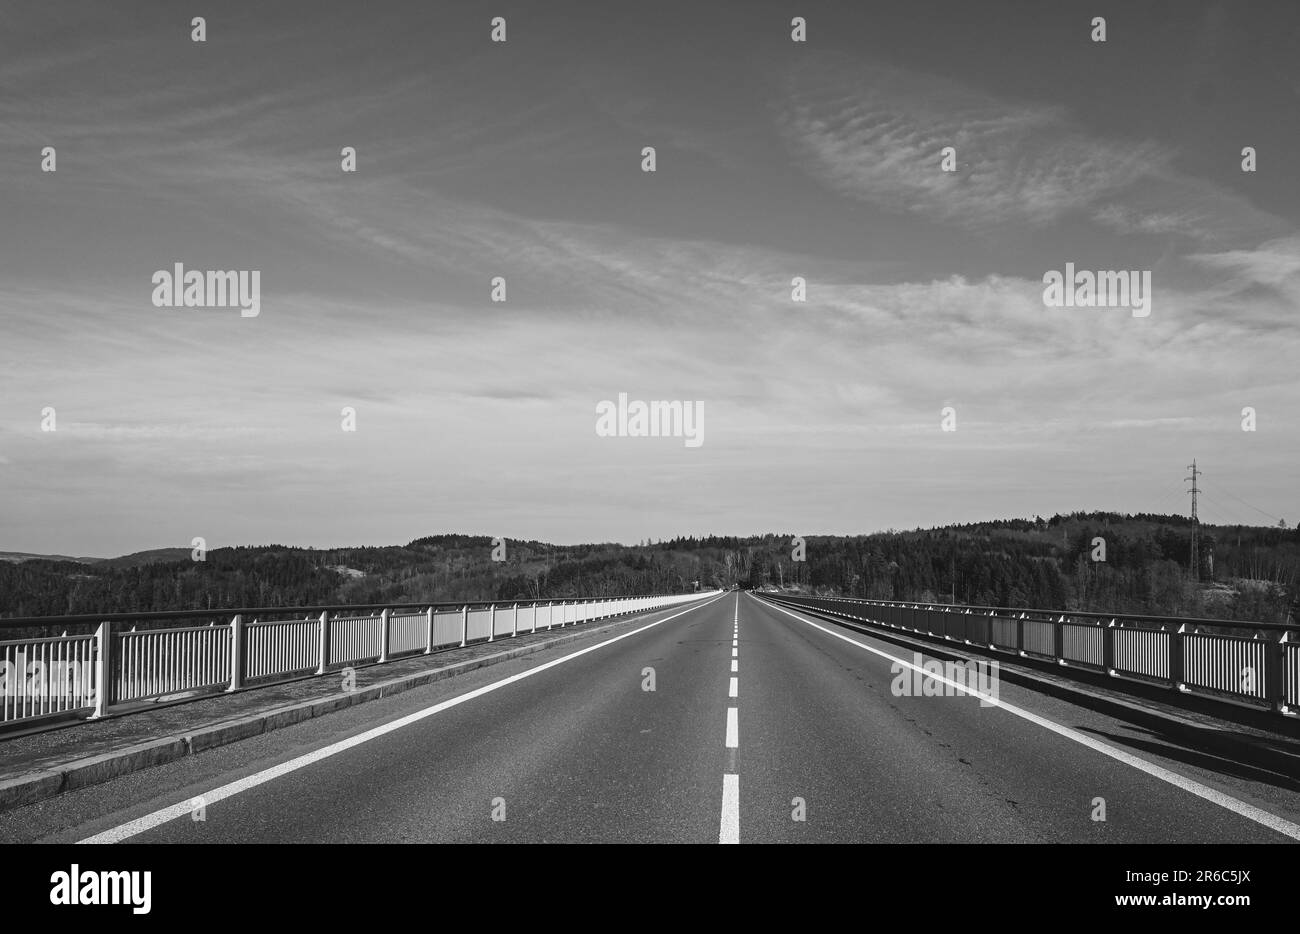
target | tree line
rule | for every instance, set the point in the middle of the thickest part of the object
(1142, 566)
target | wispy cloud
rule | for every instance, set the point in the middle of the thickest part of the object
(1275, 264)
(876, 133)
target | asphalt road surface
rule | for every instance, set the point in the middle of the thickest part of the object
(731, 720)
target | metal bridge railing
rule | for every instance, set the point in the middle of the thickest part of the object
(61, 675)
(1254, 664)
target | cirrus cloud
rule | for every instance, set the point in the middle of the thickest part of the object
(876, 133)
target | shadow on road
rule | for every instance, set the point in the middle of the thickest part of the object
(1171, 748)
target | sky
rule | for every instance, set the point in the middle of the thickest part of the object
(523, 159)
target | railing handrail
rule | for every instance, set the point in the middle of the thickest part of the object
(313, 610)
(1087, 614)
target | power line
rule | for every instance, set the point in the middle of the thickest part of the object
(1171, 500)
(1267, 515)
(1221, 511)
(1231, 513)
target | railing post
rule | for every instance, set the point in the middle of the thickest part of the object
(1275, 673)
(428, 638)
(236, 653)
(1108, 646)
(464, 624)
(1176, 657)
(492, 622)
(323, 650)
(514, 628)
(1058, 639)
(103, 667)
(1020, 634)
(383, 634)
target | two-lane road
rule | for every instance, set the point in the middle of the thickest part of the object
(729, 720)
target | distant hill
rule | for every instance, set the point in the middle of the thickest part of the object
(125, 561)
(156, 556)
(16, 556)
(1245, 572)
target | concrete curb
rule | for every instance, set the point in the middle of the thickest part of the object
(1239, 749)
(78, 773)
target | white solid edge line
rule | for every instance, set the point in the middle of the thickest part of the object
(733, 729)
(729, 829)
(157, 818)
(733, 687)
(1248, 811)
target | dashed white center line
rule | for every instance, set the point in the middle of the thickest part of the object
(729, 829)
(729, 826)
